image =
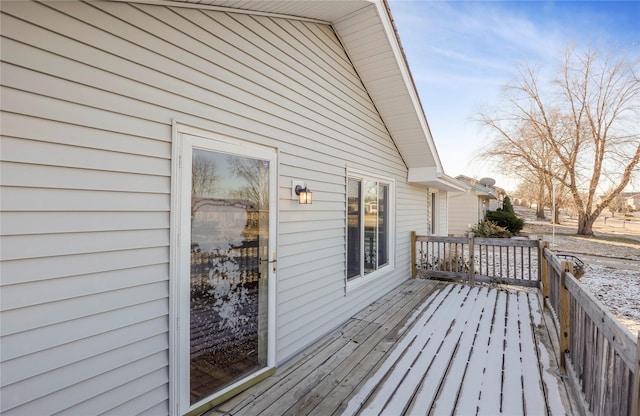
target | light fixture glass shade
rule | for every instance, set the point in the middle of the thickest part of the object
(304, 195)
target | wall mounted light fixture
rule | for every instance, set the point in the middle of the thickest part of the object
(304, 194)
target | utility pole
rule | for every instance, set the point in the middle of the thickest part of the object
(553, 215)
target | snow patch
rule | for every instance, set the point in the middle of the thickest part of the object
(619, 290)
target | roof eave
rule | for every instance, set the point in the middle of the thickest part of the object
(430, 177)
(400, 107)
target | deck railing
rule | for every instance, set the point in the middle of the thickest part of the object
(472, 259)
(600, 357)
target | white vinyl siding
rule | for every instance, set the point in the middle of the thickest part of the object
(89, 92)
(463, 212)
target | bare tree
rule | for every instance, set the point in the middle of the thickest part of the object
(618, 204)
(582, 133)
(518, 151)
(204, 177)
(526, 191)
(255, 174)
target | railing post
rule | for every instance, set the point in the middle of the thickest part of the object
(635, 393)
(472, 263)
(543, 271)
(414, 271)
(565, 315)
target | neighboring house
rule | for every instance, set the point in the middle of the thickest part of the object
(467, 209)
(155, 256)
(500, 193)
(623, 202)
(632, 200)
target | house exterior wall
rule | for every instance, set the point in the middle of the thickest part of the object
(463, 211)
(89, 93)
(494, 204)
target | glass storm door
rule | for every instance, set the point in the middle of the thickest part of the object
(230, 261)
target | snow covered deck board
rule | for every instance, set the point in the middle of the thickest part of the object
(426, 348)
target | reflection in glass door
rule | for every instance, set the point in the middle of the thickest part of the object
(229, 270)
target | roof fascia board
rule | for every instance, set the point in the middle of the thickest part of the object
(452, 182)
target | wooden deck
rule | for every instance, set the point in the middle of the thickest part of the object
(426, 348)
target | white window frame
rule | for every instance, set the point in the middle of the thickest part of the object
(364, 279)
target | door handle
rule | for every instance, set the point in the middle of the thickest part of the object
(274, 261)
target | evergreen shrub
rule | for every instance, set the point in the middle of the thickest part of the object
(506, 220)
(489, 229)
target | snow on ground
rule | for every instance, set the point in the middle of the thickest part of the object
(619, 289)
(612, 258)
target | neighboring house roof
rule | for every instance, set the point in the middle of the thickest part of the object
(490, 192)
(369, 36)
(483, 192)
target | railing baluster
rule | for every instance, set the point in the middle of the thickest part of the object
(494, 260)
(472, 277)
(487, 262)
(529, 252)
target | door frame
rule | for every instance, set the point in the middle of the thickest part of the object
(184, 139)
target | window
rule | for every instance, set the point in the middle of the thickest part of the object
(368, 225)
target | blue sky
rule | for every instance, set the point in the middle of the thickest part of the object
(462, 52)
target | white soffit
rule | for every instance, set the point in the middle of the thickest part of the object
(366, 29)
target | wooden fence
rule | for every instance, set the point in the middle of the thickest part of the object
(496, 260)
(600, 357)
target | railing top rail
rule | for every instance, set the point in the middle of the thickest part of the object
(440, 239)
(552, 260)
(505, 242)
(618, 336)
(548, 253)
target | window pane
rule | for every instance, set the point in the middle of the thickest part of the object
(353, 228)
(383, 225)
(228, 284)
(370, 226)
